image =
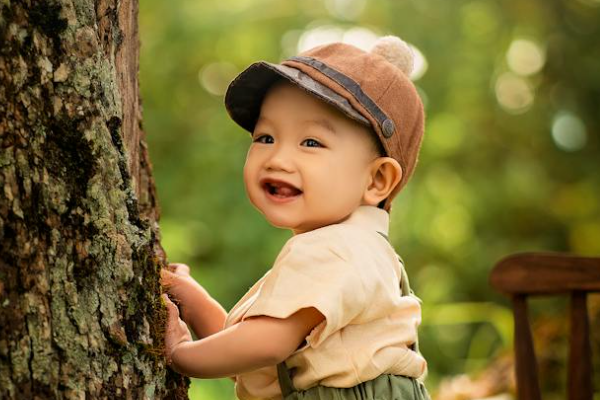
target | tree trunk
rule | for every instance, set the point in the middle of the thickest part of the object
(80, 308)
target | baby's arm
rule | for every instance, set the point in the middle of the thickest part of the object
(251, 344)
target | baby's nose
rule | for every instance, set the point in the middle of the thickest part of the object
(280, 159)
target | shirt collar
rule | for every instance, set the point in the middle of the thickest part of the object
(371, 218)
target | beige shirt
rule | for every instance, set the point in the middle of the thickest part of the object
(351, 274)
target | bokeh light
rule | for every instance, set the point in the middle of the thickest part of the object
(215, 77)
(479, 20)
(445, 134)
(451, 226)
(525, 57)
(318, 36)
(420, 64)
(345, 9)
(361, 37)
(568, 131)
(514, 93)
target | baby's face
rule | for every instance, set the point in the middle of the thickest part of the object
(308, 165)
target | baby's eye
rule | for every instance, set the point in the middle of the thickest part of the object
(264, 139)
(312, 143)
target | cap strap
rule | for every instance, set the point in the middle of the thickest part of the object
(385, 124)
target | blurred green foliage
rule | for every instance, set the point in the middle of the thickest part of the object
(509, 162)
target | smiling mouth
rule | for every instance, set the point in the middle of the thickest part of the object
(280, 189)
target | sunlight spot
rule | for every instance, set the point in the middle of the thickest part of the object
(362, 38)
(420, 64)
(514, 94)
(480, 20)
(525, 57)
(318, 36)
(289, 42)
(446, 134)
(345, 9)
(568, 131)
(215, 77)
(452, 227)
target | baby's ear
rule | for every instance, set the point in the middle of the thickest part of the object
(386, 173)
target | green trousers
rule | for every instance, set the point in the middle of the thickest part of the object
(384, 387)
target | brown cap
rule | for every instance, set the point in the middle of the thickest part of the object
(372, 88)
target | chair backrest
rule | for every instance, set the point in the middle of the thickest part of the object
(531, 274)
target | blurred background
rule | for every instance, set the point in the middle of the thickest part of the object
(510, 160)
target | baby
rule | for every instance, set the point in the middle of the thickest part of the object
(335, 136)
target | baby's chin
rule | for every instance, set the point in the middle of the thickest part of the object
(285, 223)
(297, 226)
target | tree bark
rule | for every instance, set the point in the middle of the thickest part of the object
(80, 308)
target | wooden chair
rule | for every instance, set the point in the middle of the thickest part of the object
(532, 274)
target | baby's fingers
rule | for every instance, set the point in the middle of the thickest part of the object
(176, 332)
(180, 269)
(166, 278)
(172, 309)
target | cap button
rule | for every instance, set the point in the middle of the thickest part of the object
(388, 128)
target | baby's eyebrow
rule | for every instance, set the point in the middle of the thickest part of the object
(322, 122)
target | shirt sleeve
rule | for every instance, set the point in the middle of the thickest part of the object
(313, 271)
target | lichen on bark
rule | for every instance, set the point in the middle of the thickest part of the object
(80, 311)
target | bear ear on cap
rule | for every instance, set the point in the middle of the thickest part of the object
(396, 51)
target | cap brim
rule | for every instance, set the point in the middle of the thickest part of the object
(246, 92)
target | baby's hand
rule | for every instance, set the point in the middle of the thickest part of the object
(201, 312)
(182, 287)
(177, 331)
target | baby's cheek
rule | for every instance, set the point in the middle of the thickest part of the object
(250, 185)
(249, 174)
(341, 186)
